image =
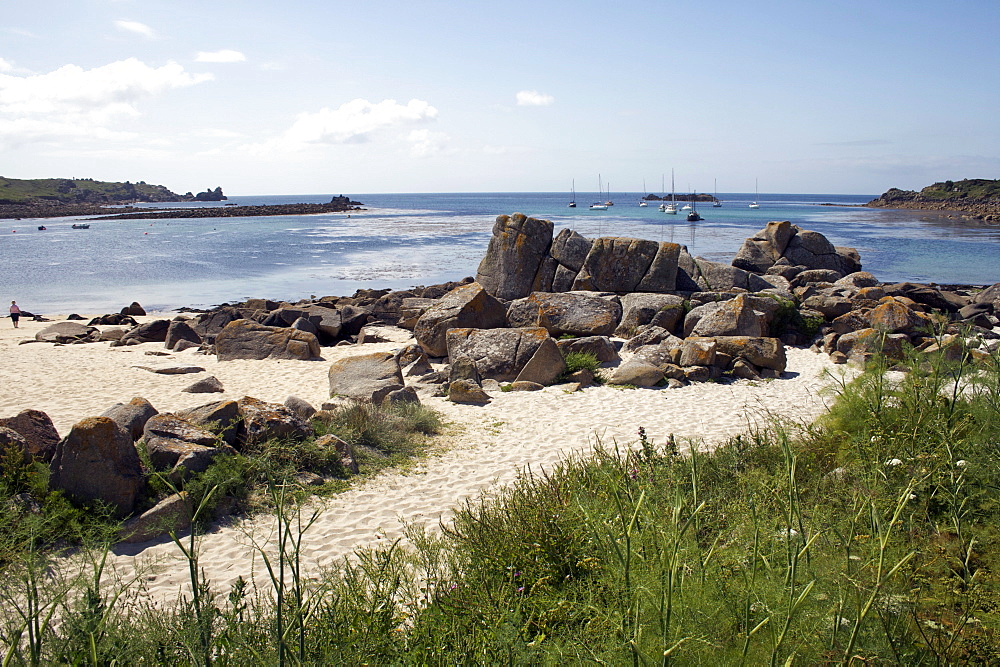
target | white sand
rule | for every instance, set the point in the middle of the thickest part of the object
(485, 445)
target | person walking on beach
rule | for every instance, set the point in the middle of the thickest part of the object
(15, 313)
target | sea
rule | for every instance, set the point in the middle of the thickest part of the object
(404, 240)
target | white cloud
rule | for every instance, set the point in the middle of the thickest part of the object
(423, 142)
(222, 56)
(356, 121)
(75, 103)
(5, 66)
(135, 27)
(533, 98)
(110, 88)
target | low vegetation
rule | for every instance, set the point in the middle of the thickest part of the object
(79, 191)
(969, 188)
(869, 537)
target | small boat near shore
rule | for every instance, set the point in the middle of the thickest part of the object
(78, 226)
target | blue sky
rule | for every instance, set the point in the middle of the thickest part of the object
(312, 97)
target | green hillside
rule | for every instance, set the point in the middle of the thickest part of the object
(970, 188)
(80, 191)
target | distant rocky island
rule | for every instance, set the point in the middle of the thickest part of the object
(977, 197)
(703, 197)
(58, 197)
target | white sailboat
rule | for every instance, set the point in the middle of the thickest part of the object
(642, 202)
(756, 195)
(572, 202)
(597, 205)
(718, 202)
(671, 208)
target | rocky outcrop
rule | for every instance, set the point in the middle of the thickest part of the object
(243, 339)
(514, 256)
(499, 354)
(97, 461)
(468, 306)
(784, 244)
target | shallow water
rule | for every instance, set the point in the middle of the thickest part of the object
(403, 240)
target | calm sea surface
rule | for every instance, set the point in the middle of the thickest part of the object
(420, 239)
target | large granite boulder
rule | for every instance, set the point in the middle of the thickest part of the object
(176, 445)
(545, 365)
(132, 416)
(368, 377)
(97, 461)
(515, 253)
(468, 306)
(616, 264)
(736, 317)
(661, 276)
(637, 373)
(759, 252)
(894, 317)
(704, 275)
(642, 308)
(569, 250)
(499, 354)
(180, 330)
(210, 324)
(566, 313)
(150, 332)
(10, 439)
(66, 332)
(219, 417)
(243, 339)
(764, 352)
(37, 430)
(262, 421)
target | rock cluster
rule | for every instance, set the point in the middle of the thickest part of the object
(98, 461)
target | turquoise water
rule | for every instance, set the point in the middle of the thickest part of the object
(403, 240)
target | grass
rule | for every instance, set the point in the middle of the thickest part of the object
(868, 538)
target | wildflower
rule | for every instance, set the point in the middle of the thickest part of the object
(913, 496)
(961, 463)
(520, 589)
(893, 462)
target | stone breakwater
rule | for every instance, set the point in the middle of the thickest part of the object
(987, 210)
(235, 211)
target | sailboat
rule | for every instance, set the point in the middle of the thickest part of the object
(693, 214)
(609, 202)
(671, 208)
(642, 202)
(572, 202)
(756, 195)
(597, 205)
(718, 202)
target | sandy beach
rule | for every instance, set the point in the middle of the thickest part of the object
(482, 446)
